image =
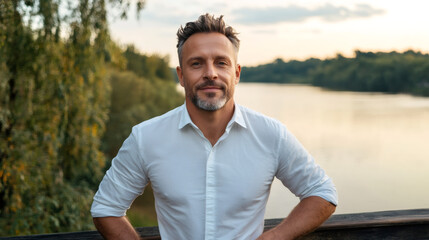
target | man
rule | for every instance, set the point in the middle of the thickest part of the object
(211, 162)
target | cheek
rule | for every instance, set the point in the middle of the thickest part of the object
(233, 79)
(191, 77)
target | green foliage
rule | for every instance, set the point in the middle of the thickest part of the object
(380, 72)
(54, 102)
(142, 212)
(152, 67)
(147, 89)
(281, 72)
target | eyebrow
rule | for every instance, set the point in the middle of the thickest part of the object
(194, 59)
(198, 58)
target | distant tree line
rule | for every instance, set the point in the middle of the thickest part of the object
(392, 72)
(68, 98)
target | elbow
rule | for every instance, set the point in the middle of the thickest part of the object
(332, 207)
(97, 222)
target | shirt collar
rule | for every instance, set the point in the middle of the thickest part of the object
(185, 119)
(238, 118)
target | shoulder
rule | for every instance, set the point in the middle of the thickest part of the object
(269, 132)
(257, 119)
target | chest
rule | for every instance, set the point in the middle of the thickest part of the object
(233, 170)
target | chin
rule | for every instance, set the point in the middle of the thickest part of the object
(210, 105)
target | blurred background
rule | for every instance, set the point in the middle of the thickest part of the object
(349, 78)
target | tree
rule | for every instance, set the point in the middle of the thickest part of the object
(146, 89)
(54, 101)
(376, 72)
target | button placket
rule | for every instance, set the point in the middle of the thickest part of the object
(210, 191)
(210, 196)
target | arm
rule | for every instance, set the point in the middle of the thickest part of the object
(310, 213)
(123, 182)
(115, 228)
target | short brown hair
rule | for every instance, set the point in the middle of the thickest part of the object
(206, 24)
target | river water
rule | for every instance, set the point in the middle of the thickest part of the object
(375, 146)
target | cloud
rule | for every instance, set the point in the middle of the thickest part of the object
(176, 13)
(294, 13)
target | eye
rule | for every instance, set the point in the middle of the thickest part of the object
(195, 64)
(222, 63)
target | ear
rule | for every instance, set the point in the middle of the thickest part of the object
(180, 75)
(237, 73)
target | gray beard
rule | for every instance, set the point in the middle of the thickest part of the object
(209, 106)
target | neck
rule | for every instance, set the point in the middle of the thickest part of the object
(211, 123)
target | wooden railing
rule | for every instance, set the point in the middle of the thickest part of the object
(402, 224)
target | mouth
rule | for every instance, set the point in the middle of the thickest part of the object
(210, 87)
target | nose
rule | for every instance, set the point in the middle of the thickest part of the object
(210, 72)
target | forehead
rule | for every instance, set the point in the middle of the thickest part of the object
(207, 44)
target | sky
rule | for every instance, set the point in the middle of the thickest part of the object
(291, 30)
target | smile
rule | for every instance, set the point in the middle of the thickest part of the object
(210, 88)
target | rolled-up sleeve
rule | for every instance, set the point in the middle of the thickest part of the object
(298, 171)
(123, 182)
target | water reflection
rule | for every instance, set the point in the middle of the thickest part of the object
(374, 146)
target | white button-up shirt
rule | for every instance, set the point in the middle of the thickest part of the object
(204, 191)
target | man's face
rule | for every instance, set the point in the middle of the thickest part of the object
(209, 71)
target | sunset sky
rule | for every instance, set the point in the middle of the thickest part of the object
(285, 29)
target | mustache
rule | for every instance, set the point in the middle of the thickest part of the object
(210, 83)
